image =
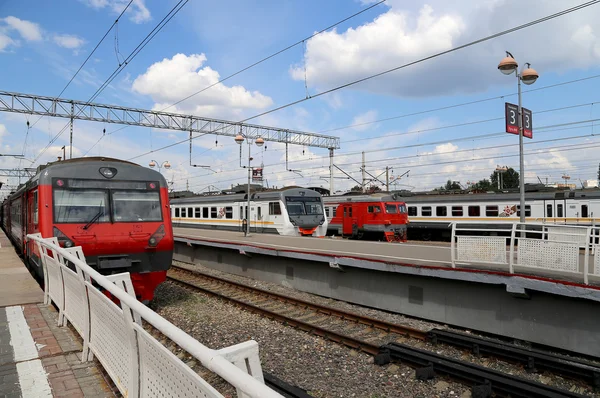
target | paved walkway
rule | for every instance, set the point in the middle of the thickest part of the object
(38, 359)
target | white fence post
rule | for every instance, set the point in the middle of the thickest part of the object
(513, 231)
(586, 260)
(453, 245)
(108, 327)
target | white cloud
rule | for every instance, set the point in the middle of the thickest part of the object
(5, 42)
(170, 80)
(402, 35)
(365, 121)
(68, 41)
(29, 31)
(138, 12)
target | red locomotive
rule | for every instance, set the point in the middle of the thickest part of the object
(362, 216)
(117, 211)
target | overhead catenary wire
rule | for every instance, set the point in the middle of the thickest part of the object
(89, 56)
(255, 64)
(120, 68)
(436, 154)
(421, 60)
(430, 143)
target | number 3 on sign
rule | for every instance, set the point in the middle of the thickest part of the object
(513, 117)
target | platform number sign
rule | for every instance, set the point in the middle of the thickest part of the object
(511, 112)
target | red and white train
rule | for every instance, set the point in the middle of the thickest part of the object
(378, 216)
(117, 211)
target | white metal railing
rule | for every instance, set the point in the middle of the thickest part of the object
(529, 246)
(137, 363)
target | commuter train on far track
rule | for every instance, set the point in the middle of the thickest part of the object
(291, 212)
(430, 214)
(117, 211)
(361, 216)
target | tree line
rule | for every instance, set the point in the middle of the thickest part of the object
(508, 180)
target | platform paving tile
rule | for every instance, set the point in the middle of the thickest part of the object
(59, 350)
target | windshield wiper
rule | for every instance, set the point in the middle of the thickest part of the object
(93, 220)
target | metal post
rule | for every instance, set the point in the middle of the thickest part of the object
(363, 172)
(71, 139)
(331, 171)
(387, 178)
(521, 162)
(249, 177)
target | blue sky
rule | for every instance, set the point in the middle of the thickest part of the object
(42, 44)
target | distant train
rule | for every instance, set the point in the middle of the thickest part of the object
(291, 212)
(117, 211)
(431, 213)
(376, 216)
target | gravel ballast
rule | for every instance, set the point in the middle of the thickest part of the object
(323, 368)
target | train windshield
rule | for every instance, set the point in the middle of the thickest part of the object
(136, 206)
(392, 209)
(402, 208)
(80, 206)
(298, 206)
(91, 201)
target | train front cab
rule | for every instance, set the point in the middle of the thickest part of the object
(122, 226)
(386, 220)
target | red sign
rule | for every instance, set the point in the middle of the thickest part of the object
(257, 174)
(511, 112)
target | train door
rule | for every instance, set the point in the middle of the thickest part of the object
(260, 224)
(583, 209)
(31, 221)
(347, 223)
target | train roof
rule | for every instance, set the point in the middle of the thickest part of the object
(497, 196)
(375, 197)
(89, 167)
(262, 195)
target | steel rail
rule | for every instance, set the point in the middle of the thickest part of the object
(345, 315)
(485, 381)
(339, 338)
(532, 359)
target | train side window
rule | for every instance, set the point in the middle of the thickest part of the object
(183, 214)
(258, 212)
(190, 212)
(345, 211)
(528, 210)
(548, 210)
(274, 208)
(391, 208)
(350, 211)
(491, 211)
(426, 211)
(197, 212)
(402, 208)
(457, 211)
(205, 212)
(474, 211)
(327, 211)
(559, 210)
(441, 211)
(412, 210)
(229, 212)
(35, 208)
(584, 211)
(177, 212)
(334, 211)
(213, 212)
(371, 209)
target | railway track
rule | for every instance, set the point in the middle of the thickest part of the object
(372, 336)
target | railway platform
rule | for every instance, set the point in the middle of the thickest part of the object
(38, 358)
(542, 291)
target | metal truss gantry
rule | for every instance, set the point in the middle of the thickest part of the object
(25, 172)
(81, 110)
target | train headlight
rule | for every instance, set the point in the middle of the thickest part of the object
(68, 243)
(292, 221)
(157, 236)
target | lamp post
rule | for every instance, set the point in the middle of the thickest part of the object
(165, 164)
(259, 142)
(528, 76)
